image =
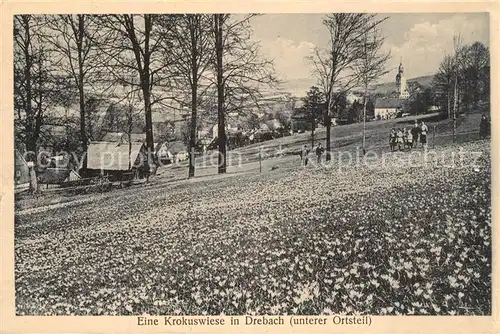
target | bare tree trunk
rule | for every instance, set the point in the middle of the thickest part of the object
(147, 109)
(312, 131)
(129, 134)
(149, 121)
(81, 95)
(33, 177)
(364, 119)
(192, 136)
(220, 95)
(143, 67)
(455, 111)
(449, 103)
(313, 126)
(147, 85)
(328, 125)
(194, 101)
(39, 108)
(31, 142)
(83, 135)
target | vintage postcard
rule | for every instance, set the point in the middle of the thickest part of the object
(249, 167)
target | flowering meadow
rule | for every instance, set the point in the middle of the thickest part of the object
(382, 240)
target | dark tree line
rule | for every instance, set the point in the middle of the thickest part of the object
(463, 78)
(154, 60)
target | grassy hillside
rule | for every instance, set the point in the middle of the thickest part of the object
(283, 153)
(378, 240)
(349, 137)
(401, 235)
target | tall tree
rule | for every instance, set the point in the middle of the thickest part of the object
(314, 104)
(131, 115)
(419, 102)
(193, 50)
(463, 77)
(137, 44)
(284, 119)
(27, 119)
(473, 66)
(443, 83)
(219, 20)
(335, 67)
(370, 67)
(94, 116)
(34, 87)
(253, 122)
(72, 39)
(241, 72)
(35, 90)
(457, 44)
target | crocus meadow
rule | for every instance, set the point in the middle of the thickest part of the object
(384, 239)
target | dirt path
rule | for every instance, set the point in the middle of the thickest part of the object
(167, 178)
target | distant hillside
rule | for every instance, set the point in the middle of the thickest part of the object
(425, 80)
(388, 87)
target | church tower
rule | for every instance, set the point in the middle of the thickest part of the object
(401, 87)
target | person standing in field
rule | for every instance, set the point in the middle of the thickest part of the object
(405, 137)
(409, 139)
(484, 127)
(319, 152)
(415, 131)
(307, 155)
(400, 140)
(392, 139)
(423, 134)
(304, 155)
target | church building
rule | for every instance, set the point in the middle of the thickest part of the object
(401, 87)
(389, 107)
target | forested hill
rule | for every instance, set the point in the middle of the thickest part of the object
(388, 87)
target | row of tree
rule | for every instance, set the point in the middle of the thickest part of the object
(354, 58)
(463, 78)
(156, 59)
(311, 113)
(461, 84)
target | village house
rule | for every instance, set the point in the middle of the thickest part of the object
(114, 159)
(386, 108)
(170, 152)
(124, 137)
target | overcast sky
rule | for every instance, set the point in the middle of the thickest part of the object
(421, 40)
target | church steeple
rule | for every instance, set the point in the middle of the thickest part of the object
(401, 87)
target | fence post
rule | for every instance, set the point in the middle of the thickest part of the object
(260, 159)
(33, 187)
(433, 136)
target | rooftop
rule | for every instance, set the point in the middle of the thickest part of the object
(112, 155)
(387, 103)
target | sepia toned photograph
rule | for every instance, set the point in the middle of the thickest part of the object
(252, 164)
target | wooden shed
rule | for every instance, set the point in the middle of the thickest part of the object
(113, 159)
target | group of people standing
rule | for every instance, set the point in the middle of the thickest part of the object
(399, 139)
(408, 138)
(304, 154)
